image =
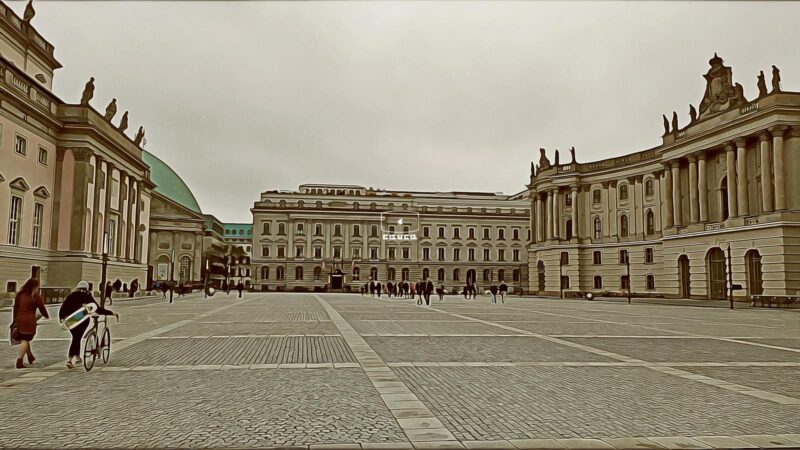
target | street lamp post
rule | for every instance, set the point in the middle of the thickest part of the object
(561, 277)
(628, 269)
(103, 269)
(729, 267)
(205, 281)
(171, 275)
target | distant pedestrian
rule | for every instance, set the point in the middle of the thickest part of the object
(164, 289)
(466, 292)
(27, 303)
(109, 291)
(378, 288)
(134, 287)
(240, 288)
(181, 288)
(428, 291)
(440, 291)
(503, 291)
(389, 289)
(418, 288)
(493, 290)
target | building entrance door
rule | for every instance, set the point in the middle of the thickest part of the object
(684, 276)
(337, 279)
(717, 283)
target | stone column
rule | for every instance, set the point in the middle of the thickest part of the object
(153, 245)
(534, 210)
(80, 194)
(666, 196)
(97, 235)
(556, 215)
(766, 173)
(176, 246)
(702, 186)
(741, 177)
(677, 209)
(121, 223)
(730, 159)
(539, 219)
(694, 211)
(107, 207)
(198, 257)
(778, 159)
(574, 196)
(137, 252)
(549, 211)
(129, 231)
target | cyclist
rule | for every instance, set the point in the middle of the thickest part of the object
(75, 301)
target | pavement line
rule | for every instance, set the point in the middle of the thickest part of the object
(763, 395)
(26, 379)
(414, 418)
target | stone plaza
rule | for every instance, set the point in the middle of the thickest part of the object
(350, 371)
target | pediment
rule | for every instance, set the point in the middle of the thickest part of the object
(42, 192)
(19, 183)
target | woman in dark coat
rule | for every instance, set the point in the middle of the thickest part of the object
(26, 304)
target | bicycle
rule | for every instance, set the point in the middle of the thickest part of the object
(95, 348)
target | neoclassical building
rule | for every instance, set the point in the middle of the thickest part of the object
(68, 176)
(338, 236)
(721, 181)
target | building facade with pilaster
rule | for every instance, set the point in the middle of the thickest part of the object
(721, 182)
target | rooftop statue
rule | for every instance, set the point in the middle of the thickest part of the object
(692, 113)
(674, 122)
(776, 79)
(762, 85)
(139, 136)
(572, 151)
(720, 92)
(544, 163)
(555, 163)
(739, 94)
(123, 124)
(29, 12)
(111, 109)
(88, 92)
(666, 124)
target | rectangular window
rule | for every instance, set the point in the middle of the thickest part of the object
(441, 254)
(515, 254)
(648, 256)
(501, 234)
(624, 282)
(38, 218)
(515, 234)
(486, 254)
(337, 230)
(456, 254)
(486, 234)
(281, 229)
(318, 229)
(356, 252)
(426, 231)
(650, 282)
(317, 251)
(567, 200)
(392, 253)
(337, 252)
(301, 228)
(20, 145)
(43, 156)
(265, 251)
(441, 233)
(501, 255)
(456, 233)
(623, 256)
(564, 258)
(597, 257)
(373, 252)
(265, 228)
(15, 220)
(598, 282)
(112, 236)
(426, 254)
(406, 253)
(281, 251)
(356, 231)
(472, 254)
(298, 252)
(472, 233)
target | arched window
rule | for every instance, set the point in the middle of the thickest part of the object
(487, 275)
(356, 231)
(440, 274)
(280, 273)
(391, 273)
(317, 273)
(265, 272)
(650, 222)
(716, 274)
(515, 275)
(623, 192)
(598, 228)
(755, 282)
(185, 270)
(501, 275)
(298, 273)
(405, 273)
(623, 226)
(650, 282)
(426, 273)
(648, 187)
(373, 272)
(356, 273)
(456, 275)
(598, 282)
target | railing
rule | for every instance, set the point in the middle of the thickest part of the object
(753, 106)
(12, 19)
(19, 84)
(714, 226)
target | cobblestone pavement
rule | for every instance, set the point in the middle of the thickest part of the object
(277, 370)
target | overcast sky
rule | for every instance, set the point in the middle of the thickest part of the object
(243, 97)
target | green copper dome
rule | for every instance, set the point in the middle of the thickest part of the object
(169, 184)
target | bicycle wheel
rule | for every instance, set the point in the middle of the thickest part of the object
(90, 350)
(105, 345)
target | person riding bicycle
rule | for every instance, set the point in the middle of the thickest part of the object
(75, 301)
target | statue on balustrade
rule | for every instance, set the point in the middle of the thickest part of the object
(555, 162)
(123, 124)
(739, 94)
(29, 12)
(544, 163)
(533, 170)
(692, 114)
(572, 151)
(88, 92)
(139, 136)
(762, 85)
(720, 92)
(674, 122)
(111, 109)
(666, 124)
(776, 79)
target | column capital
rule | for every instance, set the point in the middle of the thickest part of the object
(794, 132)
(740, 142)
(573, 189)
(674, 164)
(729, 148)
(701, 155)
(82, 154)
(778, 130)
(692, 158)
(763, 136)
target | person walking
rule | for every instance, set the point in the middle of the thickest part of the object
(378, 288)
(493, 290)
(164, 289)
(228, 288)
(503, 291)
(240, 288)
(180, 289)
(428, 291)
(108, 292)
(440, 291)
(134, 287)
(389, 287)
(75, 301)
(418, 289)
(27, 303)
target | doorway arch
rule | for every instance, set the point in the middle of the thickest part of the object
(715, 265)
(755, 281)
